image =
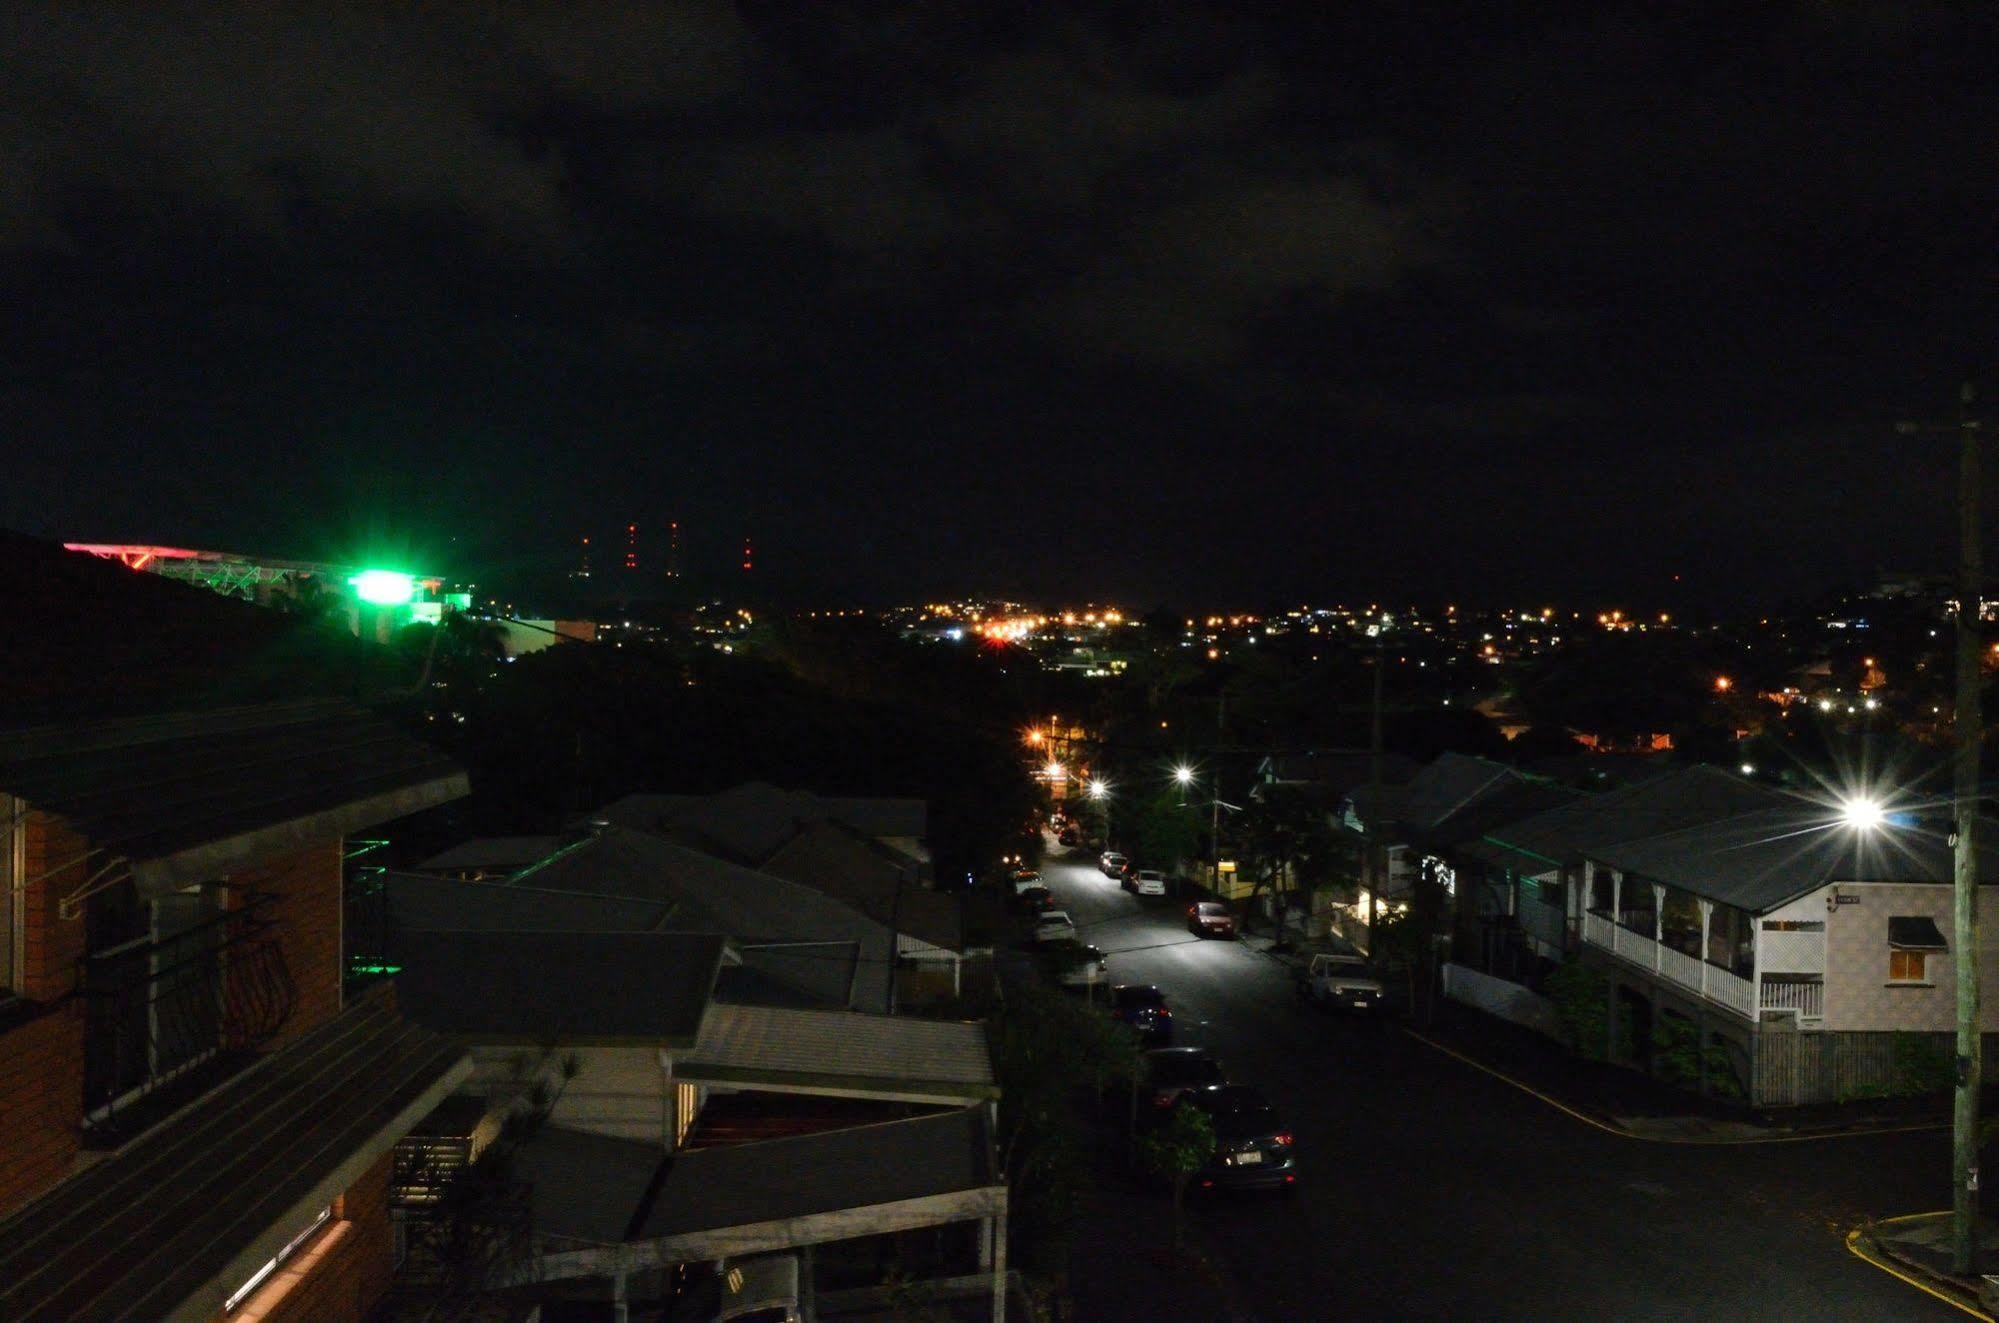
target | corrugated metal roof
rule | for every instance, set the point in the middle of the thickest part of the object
(498, 852)
(1759, 861)
(564, 987)
(167, 1223)
(188, 796)
(826, 949)
(829, 857)
(750, 822)
(418, 901)
(777, 1179)
(1672, 801)
(1450, 783)
(886, 1054)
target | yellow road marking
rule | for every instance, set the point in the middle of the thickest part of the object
(1854, 1248)
(1622, 1133)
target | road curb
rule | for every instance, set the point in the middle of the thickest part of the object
(1868, 1250)
(1610, 1125)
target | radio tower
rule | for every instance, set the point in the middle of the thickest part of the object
(746, 553)
(583, 565)
(673, 550)
(631, 546)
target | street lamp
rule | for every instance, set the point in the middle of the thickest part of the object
(1183, 776)
(1100, 790)
(1862, 813)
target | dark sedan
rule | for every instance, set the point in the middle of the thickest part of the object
(1171, 1071)
(1253, 1148)
(1143, 1007)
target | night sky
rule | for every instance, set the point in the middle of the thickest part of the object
(1151, 301)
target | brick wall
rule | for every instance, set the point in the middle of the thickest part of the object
(51, 944)
(41, 1044)
(41, 1102)
(341, 1275)
(308, 908)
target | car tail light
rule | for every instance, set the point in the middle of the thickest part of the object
(1207, 1185)
(1162, 1101)
(1285, 1139)
(1164, 1013)
(1288, 1178)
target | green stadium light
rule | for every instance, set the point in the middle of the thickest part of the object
(383, 587)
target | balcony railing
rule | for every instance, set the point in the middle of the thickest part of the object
(157, 1012)
(1806, 997)
(1702, 977)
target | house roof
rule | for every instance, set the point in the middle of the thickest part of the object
(1449, 785)
(750, 822)
(1680, 798)
(842, 1052)
(1339, 770)
(566, 987)
(420, 902)
(492, 852)
(588, 1189)
(831, 857)
(1507, 801)
(819, 946)
(191, 796)
(1759, 861)
(171, 1224)
(779, 1179)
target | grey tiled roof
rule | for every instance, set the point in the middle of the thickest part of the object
(166, 1224)
(567, 987)
(821, 1173)
(189, 796)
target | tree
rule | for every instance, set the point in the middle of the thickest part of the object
(1050, 1053)
(1168, 831)
(1176, 1150)
(1283, 835)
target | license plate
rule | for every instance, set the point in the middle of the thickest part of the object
(1249, 1159)
(1360, 1005)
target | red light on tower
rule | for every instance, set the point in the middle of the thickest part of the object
(747, 558)
(631, 546)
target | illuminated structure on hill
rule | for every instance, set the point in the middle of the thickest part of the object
(391, 597)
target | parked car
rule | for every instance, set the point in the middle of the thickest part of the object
(1210, 918)
(1077, 965)
(1145, 882)
(1143, 1007)
(1054, 926)
(1025, 878)
(1112, 863)
(1341, 982)
(1171, 1071)
(1034, 899)
(1253, 1149)
(1067, 836)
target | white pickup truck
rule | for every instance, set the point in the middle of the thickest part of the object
(1341, 983)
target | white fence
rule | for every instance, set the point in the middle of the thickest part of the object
(1509, 1001)
(1690, 972)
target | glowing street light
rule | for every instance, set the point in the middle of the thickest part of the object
(1097, 789)
(1863, 813)
(1183, 775)
(1054, 770)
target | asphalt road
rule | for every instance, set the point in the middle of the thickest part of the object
(1431, 1190)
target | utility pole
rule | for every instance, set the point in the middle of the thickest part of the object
(1375, 865)
(1215, 799)
(1968, 725)
(1964, 863)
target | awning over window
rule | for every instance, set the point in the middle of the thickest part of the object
(1914, 933)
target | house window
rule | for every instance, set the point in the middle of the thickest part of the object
(1912, 939)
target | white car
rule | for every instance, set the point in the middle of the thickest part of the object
(1054, 926)
(1343, 982)
(1024, 879)
(1111, 862)
(1080, 966)
(1148, 882)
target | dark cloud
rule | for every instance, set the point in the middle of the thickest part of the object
(846, 272)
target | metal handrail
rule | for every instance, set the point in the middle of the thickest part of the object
(157, 1010)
